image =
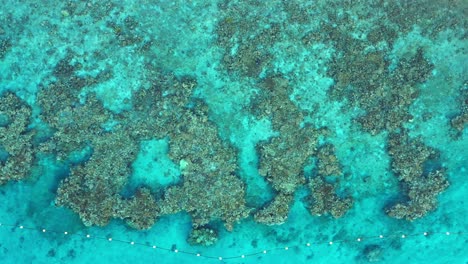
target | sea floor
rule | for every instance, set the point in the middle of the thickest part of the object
(233, 49)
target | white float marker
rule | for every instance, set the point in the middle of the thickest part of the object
(265, 251)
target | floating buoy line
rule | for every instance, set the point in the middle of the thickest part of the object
(360, 239)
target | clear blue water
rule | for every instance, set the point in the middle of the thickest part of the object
(332, 53)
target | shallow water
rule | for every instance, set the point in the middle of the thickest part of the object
(216, 108)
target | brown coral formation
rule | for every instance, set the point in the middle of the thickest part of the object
(422, 196)
(106, 143)
(363, 75)
(408, 159)
(384, 95)
(75, 125)
(323, 198)
(253, 53)
(460, 121)
(276, 212)
(328, 164)
(282, 158)
(92, 188)
(202, 236)
(140, 211)
(208, 198)
(364, 78)
(15, 138)
(210, 189)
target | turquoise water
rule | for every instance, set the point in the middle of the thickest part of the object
(281, 131)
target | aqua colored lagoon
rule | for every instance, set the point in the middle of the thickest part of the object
(233, 132)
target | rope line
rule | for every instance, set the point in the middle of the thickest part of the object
(265, 251)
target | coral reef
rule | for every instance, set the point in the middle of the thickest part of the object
(460, 121)
(210, 189)
(372, 83)
(324, 199)
(5, 45)
(422, 196)
(125, 32)
(73, 124)
(92, 188)
(384, 95)
(421, 188)
(282, 158)
(252, 44)
(363, 74)
(367, 80)
(140, 211)
(208, 198)
(328, 164)
(408, 156)
(202, 236)
(15, 138)
(78, 126)
(277, 212)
